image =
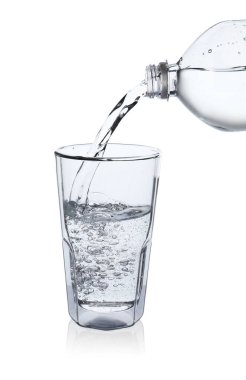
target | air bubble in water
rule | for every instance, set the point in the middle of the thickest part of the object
(102, 261)
(209, 50)
(103, 285)
(114, 242)
(124, 262)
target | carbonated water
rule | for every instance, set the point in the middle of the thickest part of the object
(107, 241)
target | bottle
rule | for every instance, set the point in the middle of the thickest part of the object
(210, 78)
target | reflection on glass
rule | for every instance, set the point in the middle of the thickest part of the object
(82, 340)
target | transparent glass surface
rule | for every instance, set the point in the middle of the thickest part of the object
(107, 241)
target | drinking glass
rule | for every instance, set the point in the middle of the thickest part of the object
(107, 239)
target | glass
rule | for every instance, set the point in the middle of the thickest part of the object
(107, 242)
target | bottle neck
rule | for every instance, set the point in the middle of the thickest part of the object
(161, 80)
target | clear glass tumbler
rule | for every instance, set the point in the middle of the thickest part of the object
(107, 240)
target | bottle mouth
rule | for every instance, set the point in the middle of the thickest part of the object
(157, 80)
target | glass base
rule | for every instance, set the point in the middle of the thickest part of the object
(105, 321)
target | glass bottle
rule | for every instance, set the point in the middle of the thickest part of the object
(210, 77)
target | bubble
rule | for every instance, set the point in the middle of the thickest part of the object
(111, 267)
(79, 266)
(210, 50)
(238, 52)
(92, 268)
(103, 233)
(116, 274)
(76, 249)
(114, 242)
(244, 38)
(103, 285)
(87, 284)
(88, 291)
(125, 269)
(93, 251)
(106, 248)
(124, 262)
(102, 261)
(76, 238)
(86, 277)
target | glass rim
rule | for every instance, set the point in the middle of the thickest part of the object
(153, 153)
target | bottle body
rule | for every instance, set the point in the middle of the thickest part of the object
(210, 78)
(216, 97)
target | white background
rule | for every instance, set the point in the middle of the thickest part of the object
(64, 65)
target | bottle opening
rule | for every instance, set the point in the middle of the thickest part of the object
(157, 80)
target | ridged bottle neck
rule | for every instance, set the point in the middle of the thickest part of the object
(161, 80)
